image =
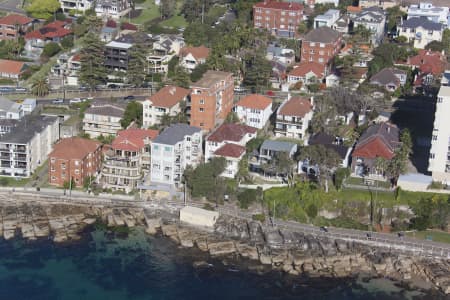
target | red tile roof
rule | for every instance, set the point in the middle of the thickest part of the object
(128, 26)
(52, 30)
(14, 19)
(230, 150)
(168, 96)
(197, 52)
(378, 140)
(132, 139)
(11, 66)
(304, 68)
(279, 5)
(295, 106)
(74, 148)
(255, 101)
(428, 62)
(111, 23)
(230, 132)
(354, 9)
(373, 149)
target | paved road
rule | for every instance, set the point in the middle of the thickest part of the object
(67, 101)
(11, 6)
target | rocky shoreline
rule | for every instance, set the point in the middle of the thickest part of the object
(295, 253)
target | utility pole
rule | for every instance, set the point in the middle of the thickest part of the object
(203, 11)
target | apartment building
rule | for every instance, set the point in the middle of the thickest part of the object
(431, 12)
(27, 145)
(293, 117)
(117, 55)
(74, 159)
(279, 18)
(328, 19)
(128, 158)
(112, 8)
(439, 161)
(373, 19)
(12, 26)
(10, 109)
(421, 31)
(177, 147)
(254, 110)
(211, 99)
(77, 5)
(164, 102)
(321, 45)
(102, 119)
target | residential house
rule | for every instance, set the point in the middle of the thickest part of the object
(108, 34)
(177, 147)
(13, 25)
(384, 4)
(75, 5)
(74, 159)
(352, 11)
(10, 109)
(128, 158)
(439, 161)
(269, 151)
(328, 19)
(307, 73)
(335, 144)
(103, 119)
(52, 32)
(228, 134)
(278, 53)
(421, 31)
(389, 78)
(211, 99)
(279, 18)
(373, 19)
(379, 141)
(342, 24)
(12, 69)
(112, 8)
(445, 80)
(65, 71)
(117, 55)
(192, 57)
(320, 45)
(27, 145)
(228, 141)
(429, 64)
(165, 47)
(254, 110)
(293, 117)
(164, 102)
(431, 12)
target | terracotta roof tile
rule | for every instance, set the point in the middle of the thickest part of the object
(255, 101)
(132, 139)
(197, 52)
(279, 5)
(230, 132)
(74, 148)
(11, 66)
(354, 9)
(128, 26)
(378, 140)
(428, 62)
(304, 68)
(230, 150)
(295, 106)
(169, 96)
(14, 19)
(51, 30)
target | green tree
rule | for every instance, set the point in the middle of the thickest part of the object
(232, 117)
(311, 210)
(167, 8)
(181, 78)
(133, 113)
(40, 87)
(246, 198)
(137, 65)
(67, 42)
(399, 163)
(395, 14)
(436, 46)
(43, 9)
(92, 58)
(69, 184)
(204, 181)
(198, 72)
(51, 49)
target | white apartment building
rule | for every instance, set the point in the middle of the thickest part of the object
(254, 110)
(165, 102)
(432, 13)
(27, 145)
(177, 147)
(112, 8)
(439, 162)
(102, 119)
(421, 31)
(228, 134)
(77, 5)
(373, 19)
(329, 18)
(293, 117)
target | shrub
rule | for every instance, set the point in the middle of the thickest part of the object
(246, 198)
(339, 177)
(435, 185)
(50, 49)
(67, 42)
(259, 217)
(311, 210)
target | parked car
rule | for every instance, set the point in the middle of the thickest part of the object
(323, 229)
(75, 100)
(129, 97)
(58, 101)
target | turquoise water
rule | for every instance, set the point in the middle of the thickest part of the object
(104, 266)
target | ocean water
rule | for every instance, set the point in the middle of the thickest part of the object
(106, 266)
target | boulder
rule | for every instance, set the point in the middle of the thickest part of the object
(221, 248)
(247, 251)
(186, 238)
(152, 225)
(201, 244)
(273, 238)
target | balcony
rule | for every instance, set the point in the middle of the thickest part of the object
(121, 173)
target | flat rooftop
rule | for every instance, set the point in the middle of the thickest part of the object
(210, 78)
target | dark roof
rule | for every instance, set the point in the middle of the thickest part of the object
(25, 130)
(277, 146)
(421, 22)
(175, 133)
(230, 150)
(106, 110)
(379, 140)
(322, 35)
(386, 76)
(230, 132)
(328, 142)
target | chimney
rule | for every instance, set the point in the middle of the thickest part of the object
(172, 91)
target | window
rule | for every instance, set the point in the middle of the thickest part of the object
(322, 45)
(53, 169)
(283, 13)
(321, 52)
(321, 60)
(434, 137)
(188, 139)
(312, 44)
(311, 51)
(167, 149)
(155, 147)
(430, 32)
(53, 178)
(431, 155)
(201, 109)
(202, 101)
(440, 99)
(53, 160)
(77, 171)
(77, 163)
(63, 166)
(202, 124)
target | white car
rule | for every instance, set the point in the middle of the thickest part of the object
(75, 100)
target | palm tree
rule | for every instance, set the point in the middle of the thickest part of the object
(40, 87)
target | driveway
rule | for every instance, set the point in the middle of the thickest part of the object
(12, 6)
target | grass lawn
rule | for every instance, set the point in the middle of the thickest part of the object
(7, 81)
(174, 22)
(149, 12)
(45, 69)
(385, 198)
(436, 236)
(360, 181)
(11, 182)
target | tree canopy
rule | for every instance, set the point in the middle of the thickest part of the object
(133, 112)
(43, 9)
(92, 58)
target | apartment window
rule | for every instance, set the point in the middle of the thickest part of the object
(312, 44)
(282, 19)
(52, 160)
(202, 124)
(434, 137)
(63, 166)
(188, 157)
(188, 139)
(53, 169)
(283, 13)
(310, 58)
(258, 9)
(63, 175)
(201, 109)
(77, 163)
(77, 171)
(321, 60)
(53, 178)
(440, 99)
(321, 52)
(202, 101)
(292, 13)
(430, 32)
(167, 149)
(311, 51)
(431, 155)
(322, 45)
(156, 166)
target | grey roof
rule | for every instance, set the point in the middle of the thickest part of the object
(389, 133)
(386, 76)
(175, 133)
(6, 104)
(26, 128)
(119, 45)
(374, 17)
(421, 22)
(322, 34)
(108, 30)
(106, 110)
(278, 146)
